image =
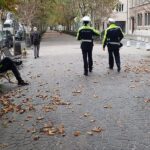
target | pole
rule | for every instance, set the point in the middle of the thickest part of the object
(127, 17)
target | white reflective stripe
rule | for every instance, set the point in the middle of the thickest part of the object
(117, 43)
(86, 40)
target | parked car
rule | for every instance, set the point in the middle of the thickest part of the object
(8, 26)
(8, 39)
(1, 40)
(19, 35)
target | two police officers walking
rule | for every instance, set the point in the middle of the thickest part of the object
(112, 37)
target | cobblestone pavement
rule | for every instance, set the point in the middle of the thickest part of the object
(63, 110)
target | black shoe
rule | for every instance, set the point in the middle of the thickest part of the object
(22, 83)
(90, 69)
(37, 56)
(118, 69)
(86, 73)
(111, 68)
(18, 63)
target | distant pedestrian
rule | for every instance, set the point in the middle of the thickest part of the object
(35, 40)
(112, 38)
(7, 64)
(85, 34)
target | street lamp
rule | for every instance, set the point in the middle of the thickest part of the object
(127, 16)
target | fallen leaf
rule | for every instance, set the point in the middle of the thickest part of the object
(97, 129)
(29, 116)
(51, 133)
(86, 114)
(95, 82)
(92, 120)
(61, 129)
(95, 96)
(22, 111)
(40, 118)
(79, 104)
(147, 101)
(33, 130)
(49, 125)
(77, 133)
(76, 92)
(89, 133)
(3, 145)
(108, 106)
(36, 137)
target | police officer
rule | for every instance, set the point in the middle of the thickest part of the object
(85, 34)
(112, 37)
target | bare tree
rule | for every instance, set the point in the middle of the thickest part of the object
(97, 9)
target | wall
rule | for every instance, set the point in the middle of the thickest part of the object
(135, 8)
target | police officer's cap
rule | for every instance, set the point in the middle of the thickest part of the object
(34, 28)
(111, 20)
(86, 18)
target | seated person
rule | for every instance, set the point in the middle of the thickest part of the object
(7, 64)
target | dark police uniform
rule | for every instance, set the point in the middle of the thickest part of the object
(85, 34)
(112, 37)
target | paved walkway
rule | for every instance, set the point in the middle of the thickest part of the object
(63, 110)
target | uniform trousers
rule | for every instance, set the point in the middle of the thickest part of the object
(87, 48)
(113, 52)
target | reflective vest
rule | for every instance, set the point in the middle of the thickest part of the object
(86, 33)
(113, 35)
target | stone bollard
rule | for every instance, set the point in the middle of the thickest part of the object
(138, 45)
(147, 46)
(17, 48)
(128, 43)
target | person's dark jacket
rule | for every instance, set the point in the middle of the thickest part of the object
(35, 38)
(113, 35)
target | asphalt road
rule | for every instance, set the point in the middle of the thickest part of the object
(63, 110)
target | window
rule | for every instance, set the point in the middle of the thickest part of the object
(119, 7)
(147, 19)
(140, 18)
(6, 25)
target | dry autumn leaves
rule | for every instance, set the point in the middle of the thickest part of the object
(26, 106)
(94, 130)
(52, 103)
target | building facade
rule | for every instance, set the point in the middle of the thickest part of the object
(139, 18)
(120, 14)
